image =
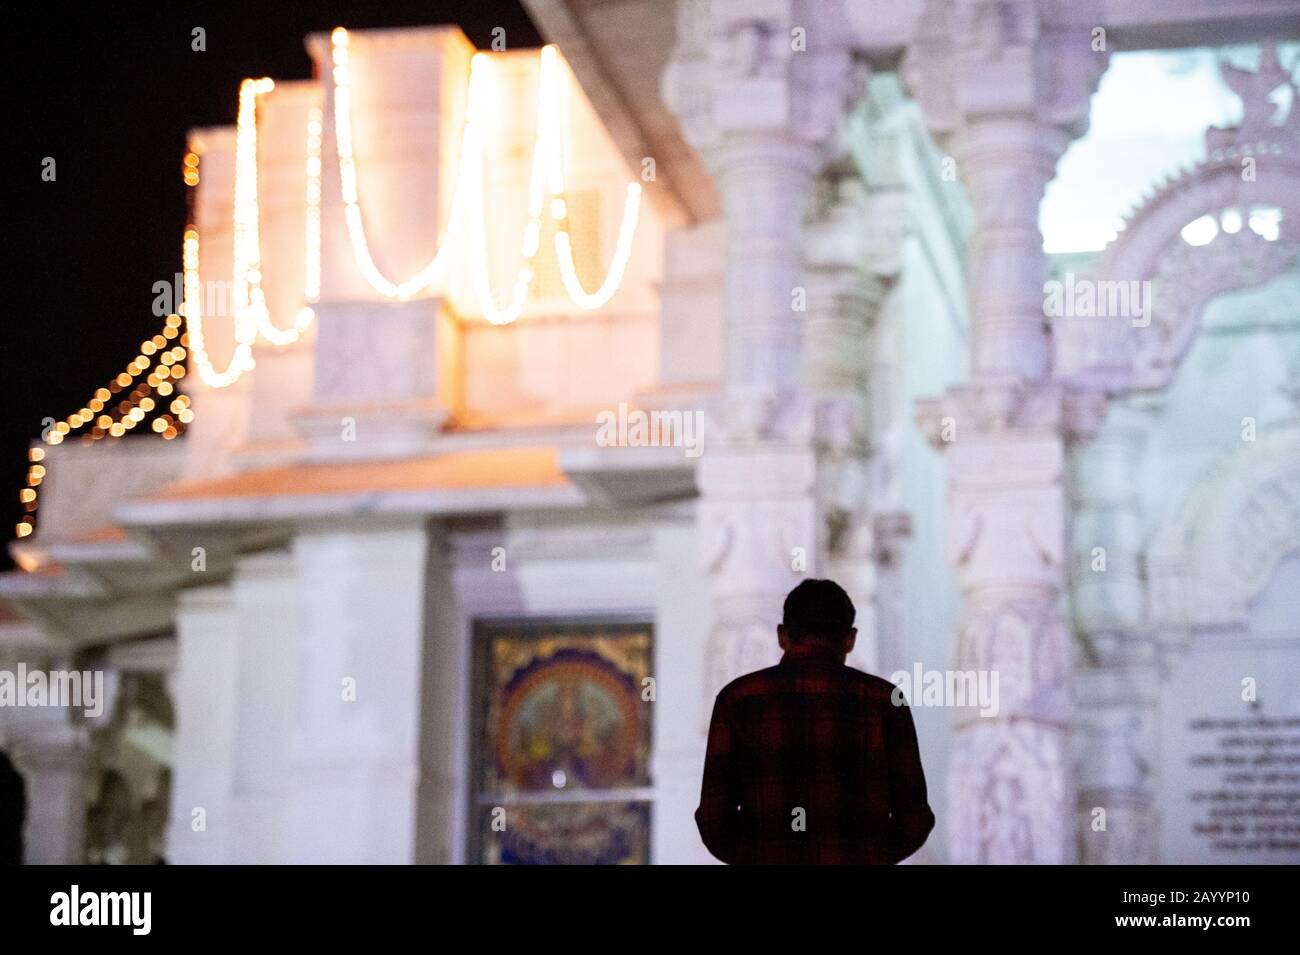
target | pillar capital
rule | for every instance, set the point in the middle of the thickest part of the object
(746, 72)
(761, 88)
(975, 61)
(1005, 86)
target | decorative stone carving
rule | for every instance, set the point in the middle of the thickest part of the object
(1005, 84)
(1026, 644)
(1117, 819)
(1209, 562)
(1188, 278)
(1002, 406)
(763, 106)
(1254, 89)
(748, 546)
(1006, 784)
(1115, 685)
(1022, 58)
(1252, 165)
(845, 297)
(738, 66)
(1214, 557)
(1006, 536)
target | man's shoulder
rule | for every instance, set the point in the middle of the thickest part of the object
(874, 684)
(750, 684)
(873, 688)
(761, 682)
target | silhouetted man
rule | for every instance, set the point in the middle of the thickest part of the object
(810, 761)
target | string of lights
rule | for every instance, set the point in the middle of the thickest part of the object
(249, 300)
(468, 193)
(251, 314)
(475, 147)
(588, 301)
(27, 496)
(248, 268)
(164, 354)
(311, 238)
(432, 273)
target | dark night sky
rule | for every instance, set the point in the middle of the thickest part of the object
(110, 95)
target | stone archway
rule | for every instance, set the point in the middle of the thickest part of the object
(1130, 600)
(1208, 564)
(1251, 167)
(1228, 720)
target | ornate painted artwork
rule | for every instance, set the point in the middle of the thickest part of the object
(562, 743)
(602, 833)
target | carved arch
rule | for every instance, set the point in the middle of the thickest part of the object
(1209, 562)
(1250, 167)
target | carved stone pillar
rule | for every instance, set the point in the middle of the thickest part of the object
(1005, 86)
(53, 755)
(1117, 683)
(760, 90)
(359, 733)
(891, 523)
(202, 827)
(844, 302)
(891, 529)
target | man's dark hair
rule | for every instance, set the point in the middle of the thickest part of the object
(818, 610)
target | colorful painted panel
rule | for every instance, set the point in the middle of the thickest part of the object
(562, 743)
(587, 833)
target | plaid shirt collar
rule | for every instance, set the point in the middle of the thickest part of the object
(813, 652)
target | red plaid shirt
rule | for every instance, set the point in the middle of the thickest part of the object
(815, 735)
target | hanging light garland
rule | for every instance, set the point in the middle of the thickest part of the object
(252, 318)
(559, 210)
(432, 273)
(111, 420)
(474, 143)
(249, 299)
(468, 193)
(138, 402)
(251, 314)
(311, 237)
(165, 353)
(246, 325)
(252, 269)
(27, 496)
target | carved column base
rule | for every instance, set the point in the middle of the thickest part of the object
(758, 527)
(1118, 702)
(54, 760)
(1009, 795)
(1011, 786)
